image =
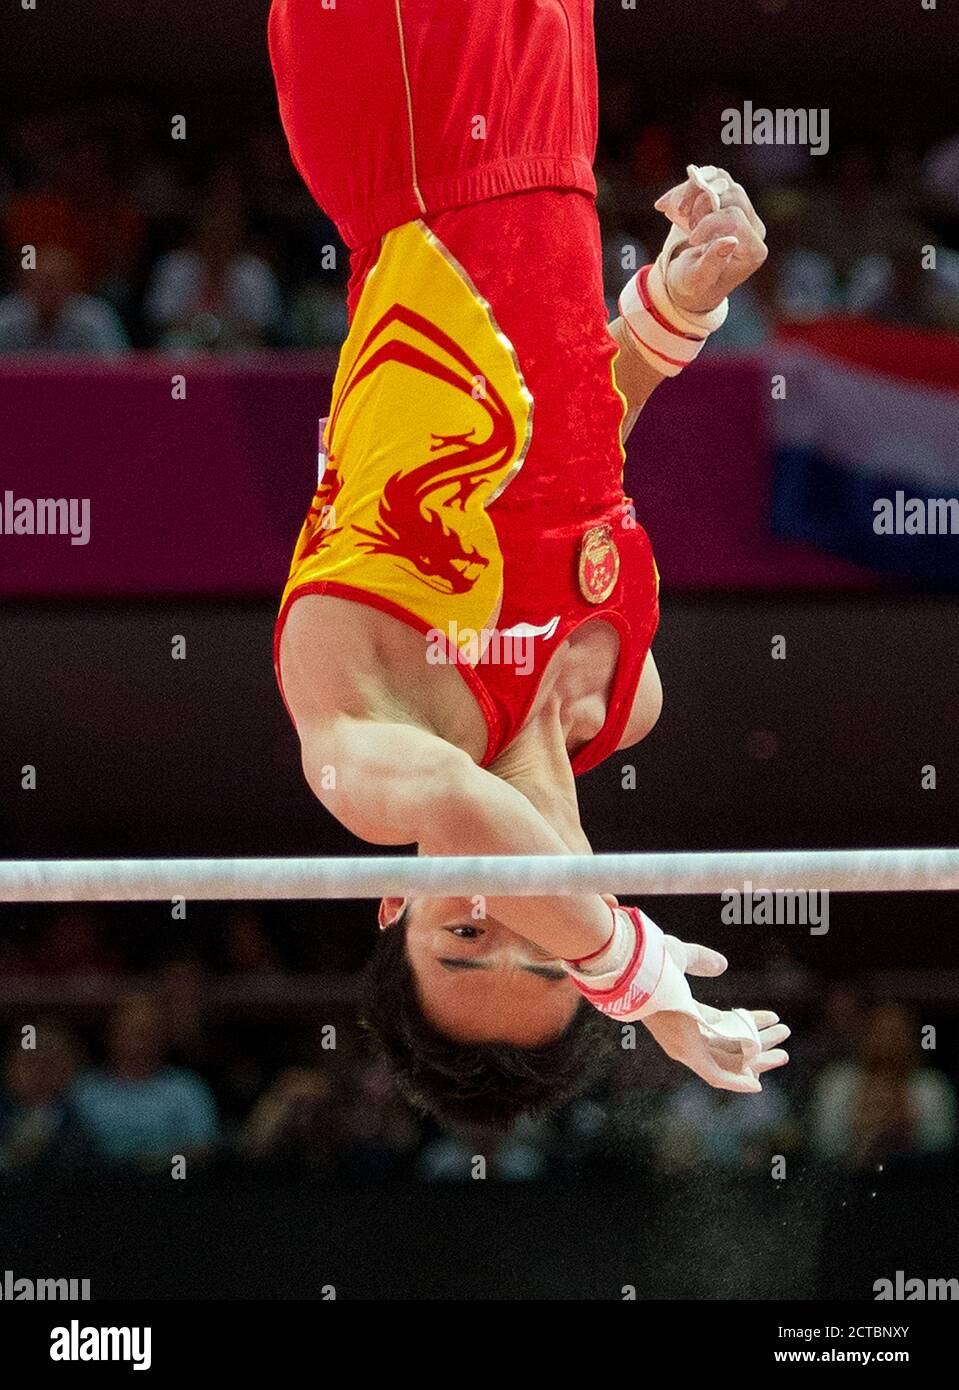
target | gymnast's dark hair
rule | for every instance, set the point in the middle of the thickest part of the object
(466, 1085)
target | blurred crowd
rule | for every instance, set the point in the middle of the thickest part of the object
(213, 245)
(846, 229)
(209, 244)
(236, 1054)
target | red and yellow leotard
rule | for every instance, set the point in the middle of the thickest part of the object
(473, 482)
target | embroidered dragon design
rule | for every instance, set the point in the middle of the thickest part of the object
(416, 504)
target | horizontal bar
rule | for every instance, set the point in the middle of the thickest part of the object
(156, 880)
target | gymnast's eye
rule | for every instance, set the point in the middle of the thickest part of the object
(466, 933)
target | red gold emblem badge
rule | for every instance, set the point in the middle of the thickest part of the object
(598, 564)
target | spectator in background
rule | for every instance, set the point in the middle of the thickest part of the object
(293, 1121)
(798, 282)
(72, 945)
(885, 1103)
(232, 1050)
(831, 1036)
(276, 191)
(137, 1109)
(520, 1156)
(38, 1125)
(48, 312)
(318, 316)
(703, 1127)
(180, 997)
(247, 949)
(376, 1127)
(897, 288)
(856, 208)
(940, 173)
(213, 295)
(653, 158)
(337, 1107)
(77, 205)
(34, 142)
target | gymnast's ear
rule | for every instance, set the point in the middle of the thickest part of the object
(391, 910)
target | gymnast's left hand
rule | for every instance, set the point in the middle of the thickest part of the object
(719, 1063)
(716, 1059)
(725, 240)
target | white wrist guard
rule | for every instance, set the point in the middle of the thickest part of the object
(634, 976)
(620, 979)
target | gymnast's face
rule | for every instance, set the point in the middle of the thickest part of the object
(480, 982)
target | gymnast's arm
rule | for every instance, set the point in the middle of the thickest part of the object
(396, 784)
(635, 378)
(721, 243)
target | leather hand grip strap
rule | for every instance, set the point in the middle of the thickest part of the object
(668, 336)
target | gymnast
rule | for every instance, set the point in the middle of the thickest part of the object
(473, 484)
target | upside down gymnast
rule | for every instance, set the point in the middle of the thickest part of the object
(473, 492)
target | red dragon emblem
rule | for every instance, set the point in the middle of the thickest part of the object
(410, 525)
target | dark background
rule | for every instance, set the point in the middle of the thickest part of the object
(879, 41)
